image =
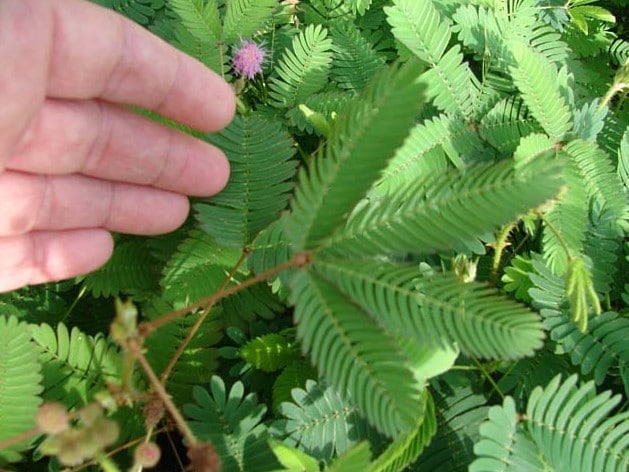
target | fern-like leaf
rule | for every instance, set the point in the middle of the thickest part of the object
(445, 211)
(131, 270)
(441, 134)
(460, 411)
(355, 61)
(199, 359)
(321, 422)
(75, 365)
(566, 223)
(20, 384)
(439, 310)
(232, 422)
(338, 336)
(505, 124)
(244, 17)
(303, 69)
(536, 78)
(505, 446)
(197, 268)
(573, 430)
(260, 153)
(360, 6)
(140, 11)
(199, 31)
(270, 248)
(520, 379)
(405, 449)
(595, 352)
(419, 26)
(200, 18)
(598, 174)
(363, 138)
(270, 352)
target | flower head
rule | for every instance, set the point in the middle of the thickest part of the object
(248, 58)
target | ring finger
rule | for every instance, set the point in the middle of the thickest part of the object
(45, 203)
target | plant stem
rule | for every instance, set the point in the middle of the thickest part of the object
(183, 427)
(113, 452)
(74, 303)
(299, 260)
(559, 237)
(171, 364)
(19, 438)
(493, 383)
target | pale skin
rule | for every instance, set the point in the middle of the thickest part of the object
(75, 162)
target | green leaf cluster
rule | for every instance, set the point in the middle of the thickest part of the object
(424, 232)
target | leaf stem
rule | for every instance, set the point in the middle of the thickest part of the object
(19, 438)
(493, 383)
(299, 260)
(171, 364)
(182, 426)
(558, 235)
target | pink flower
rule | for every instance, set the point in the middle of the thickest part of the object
(248, 58)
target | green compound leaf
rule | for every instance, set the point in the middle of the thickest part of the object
(260, 183)
(357, 459)
(303, 69)
(318, 419)
(406, 448)
(244, 17)
(340, 338)
(20, 385)
(437, 311)
(232, 422)
(270, 352)
(131, 270)
(75, 365)
(444, 211)
(573, 427)
(505, 445)
(363, 138)
(535, 76)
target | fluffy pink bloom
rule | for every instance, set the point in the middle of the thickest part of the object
(248, 58)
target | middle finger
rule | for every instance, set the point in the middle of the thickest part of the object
(103, 140)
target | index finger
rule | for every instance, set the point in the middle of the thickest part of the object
(97, 53)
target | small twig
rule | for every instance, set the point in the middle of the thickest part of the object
(19, 438)
(174, 448)
(493, 383)
(558, 235)
(299, 260)
(171, 364)
(113, 452)
(136, 350)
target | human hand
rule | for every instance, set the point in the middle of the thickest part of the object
(74, 163)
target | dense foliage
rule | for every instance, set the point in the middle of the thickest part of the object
(419, 263)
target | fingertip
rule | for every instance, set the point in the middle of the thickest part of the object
(222, 102)
(74, 252)
(47, 256)
(221, 171)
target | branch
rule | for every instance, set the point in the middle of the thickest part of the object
(299, 260)
(171, 364)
